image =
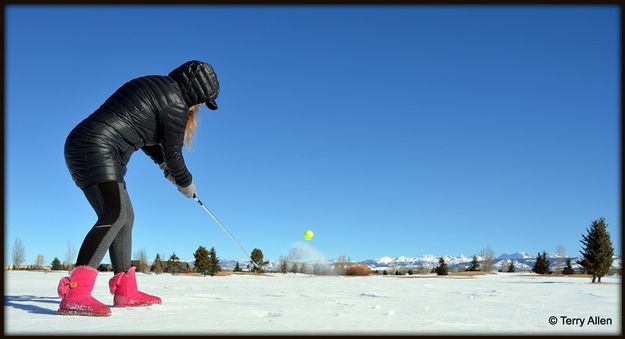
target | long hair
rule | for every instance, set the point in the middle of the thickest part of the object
(189, 130)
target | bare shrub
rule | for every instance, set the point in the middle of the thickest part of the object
(422, 269)
(358, 269)
(489, 256)
(70, 256)
(142, 257)
(18, 253)
(39, 262)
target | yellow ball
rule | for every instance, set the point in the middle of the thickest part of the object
(308, 235)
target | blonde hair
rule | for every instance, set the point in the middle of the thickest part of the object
(189, 130)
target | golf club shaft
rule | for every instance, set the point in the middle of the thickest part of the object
(223, 228)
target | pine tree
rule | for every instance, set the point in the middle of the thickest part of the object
(213, 260)
(598, 250)
(173, 259)
(542, 264)
(157, 265)
(201, 259)
(475, 265)
(538, 264)
(257, 257)
(384, 272)
(410, 271)
(569, 268)
(56, 264)
(441, 269)
(237, 268)
(511, 268)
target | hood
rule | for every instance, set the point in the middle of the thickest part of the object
(198, 82)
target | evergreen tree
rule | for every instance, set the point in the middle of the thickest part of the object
(237, 268)
(598, 250)
(56, 264)
(475, 265)
(538, 264)
(213, 260)
(173, 261)
(569, 268)
(157, 265)
(384, 272)
(257, 257)
(397, 272)
(542, 264)
(409, 272)
(511, 268)
(201, 259)
(441, 269)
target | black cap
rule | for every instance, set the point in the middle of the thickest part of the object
(211, 104)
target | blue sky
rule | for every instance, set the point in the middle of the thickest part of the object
(387, 130)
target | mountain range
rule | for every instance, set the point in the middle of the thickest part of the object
(523, 261)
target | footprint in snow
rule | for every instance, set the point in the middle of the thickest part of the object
(277, 294)
(265, 314)
(372, 295)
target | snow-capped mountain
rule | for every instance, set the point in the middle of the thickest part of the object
(517, 256)
(523, 261)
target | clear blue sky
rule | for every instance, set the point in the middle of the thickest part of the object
(387, 130)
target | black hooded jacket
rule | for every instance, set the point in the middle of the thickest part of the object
(147, 113)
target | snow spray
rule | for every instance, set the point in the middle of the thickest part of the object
(301, 253)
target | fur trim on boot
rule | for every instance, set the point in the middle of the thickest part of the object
(75, 294)
(123, 286)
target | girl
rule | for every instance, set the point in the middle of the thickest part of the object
(156, 114)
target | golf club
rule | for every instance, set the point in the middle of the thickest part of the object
(223, 228)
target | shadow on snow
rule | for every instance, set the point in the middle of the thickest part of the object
(26, 303)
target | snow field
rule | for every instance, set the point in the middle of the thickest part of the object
(302, 304)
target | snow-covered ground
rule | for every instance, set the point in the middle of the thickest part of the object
(506, 303)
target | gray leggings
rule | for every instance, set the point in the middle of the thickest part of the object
(112, 231)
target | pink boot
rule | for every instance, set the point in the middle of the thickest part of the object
(75, 293)
(124, 288)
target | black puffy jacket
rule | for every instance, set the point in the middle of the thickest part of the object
(148, 113)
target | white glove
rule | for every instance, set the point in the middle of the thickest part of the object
(188, 191)
(166, 173)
